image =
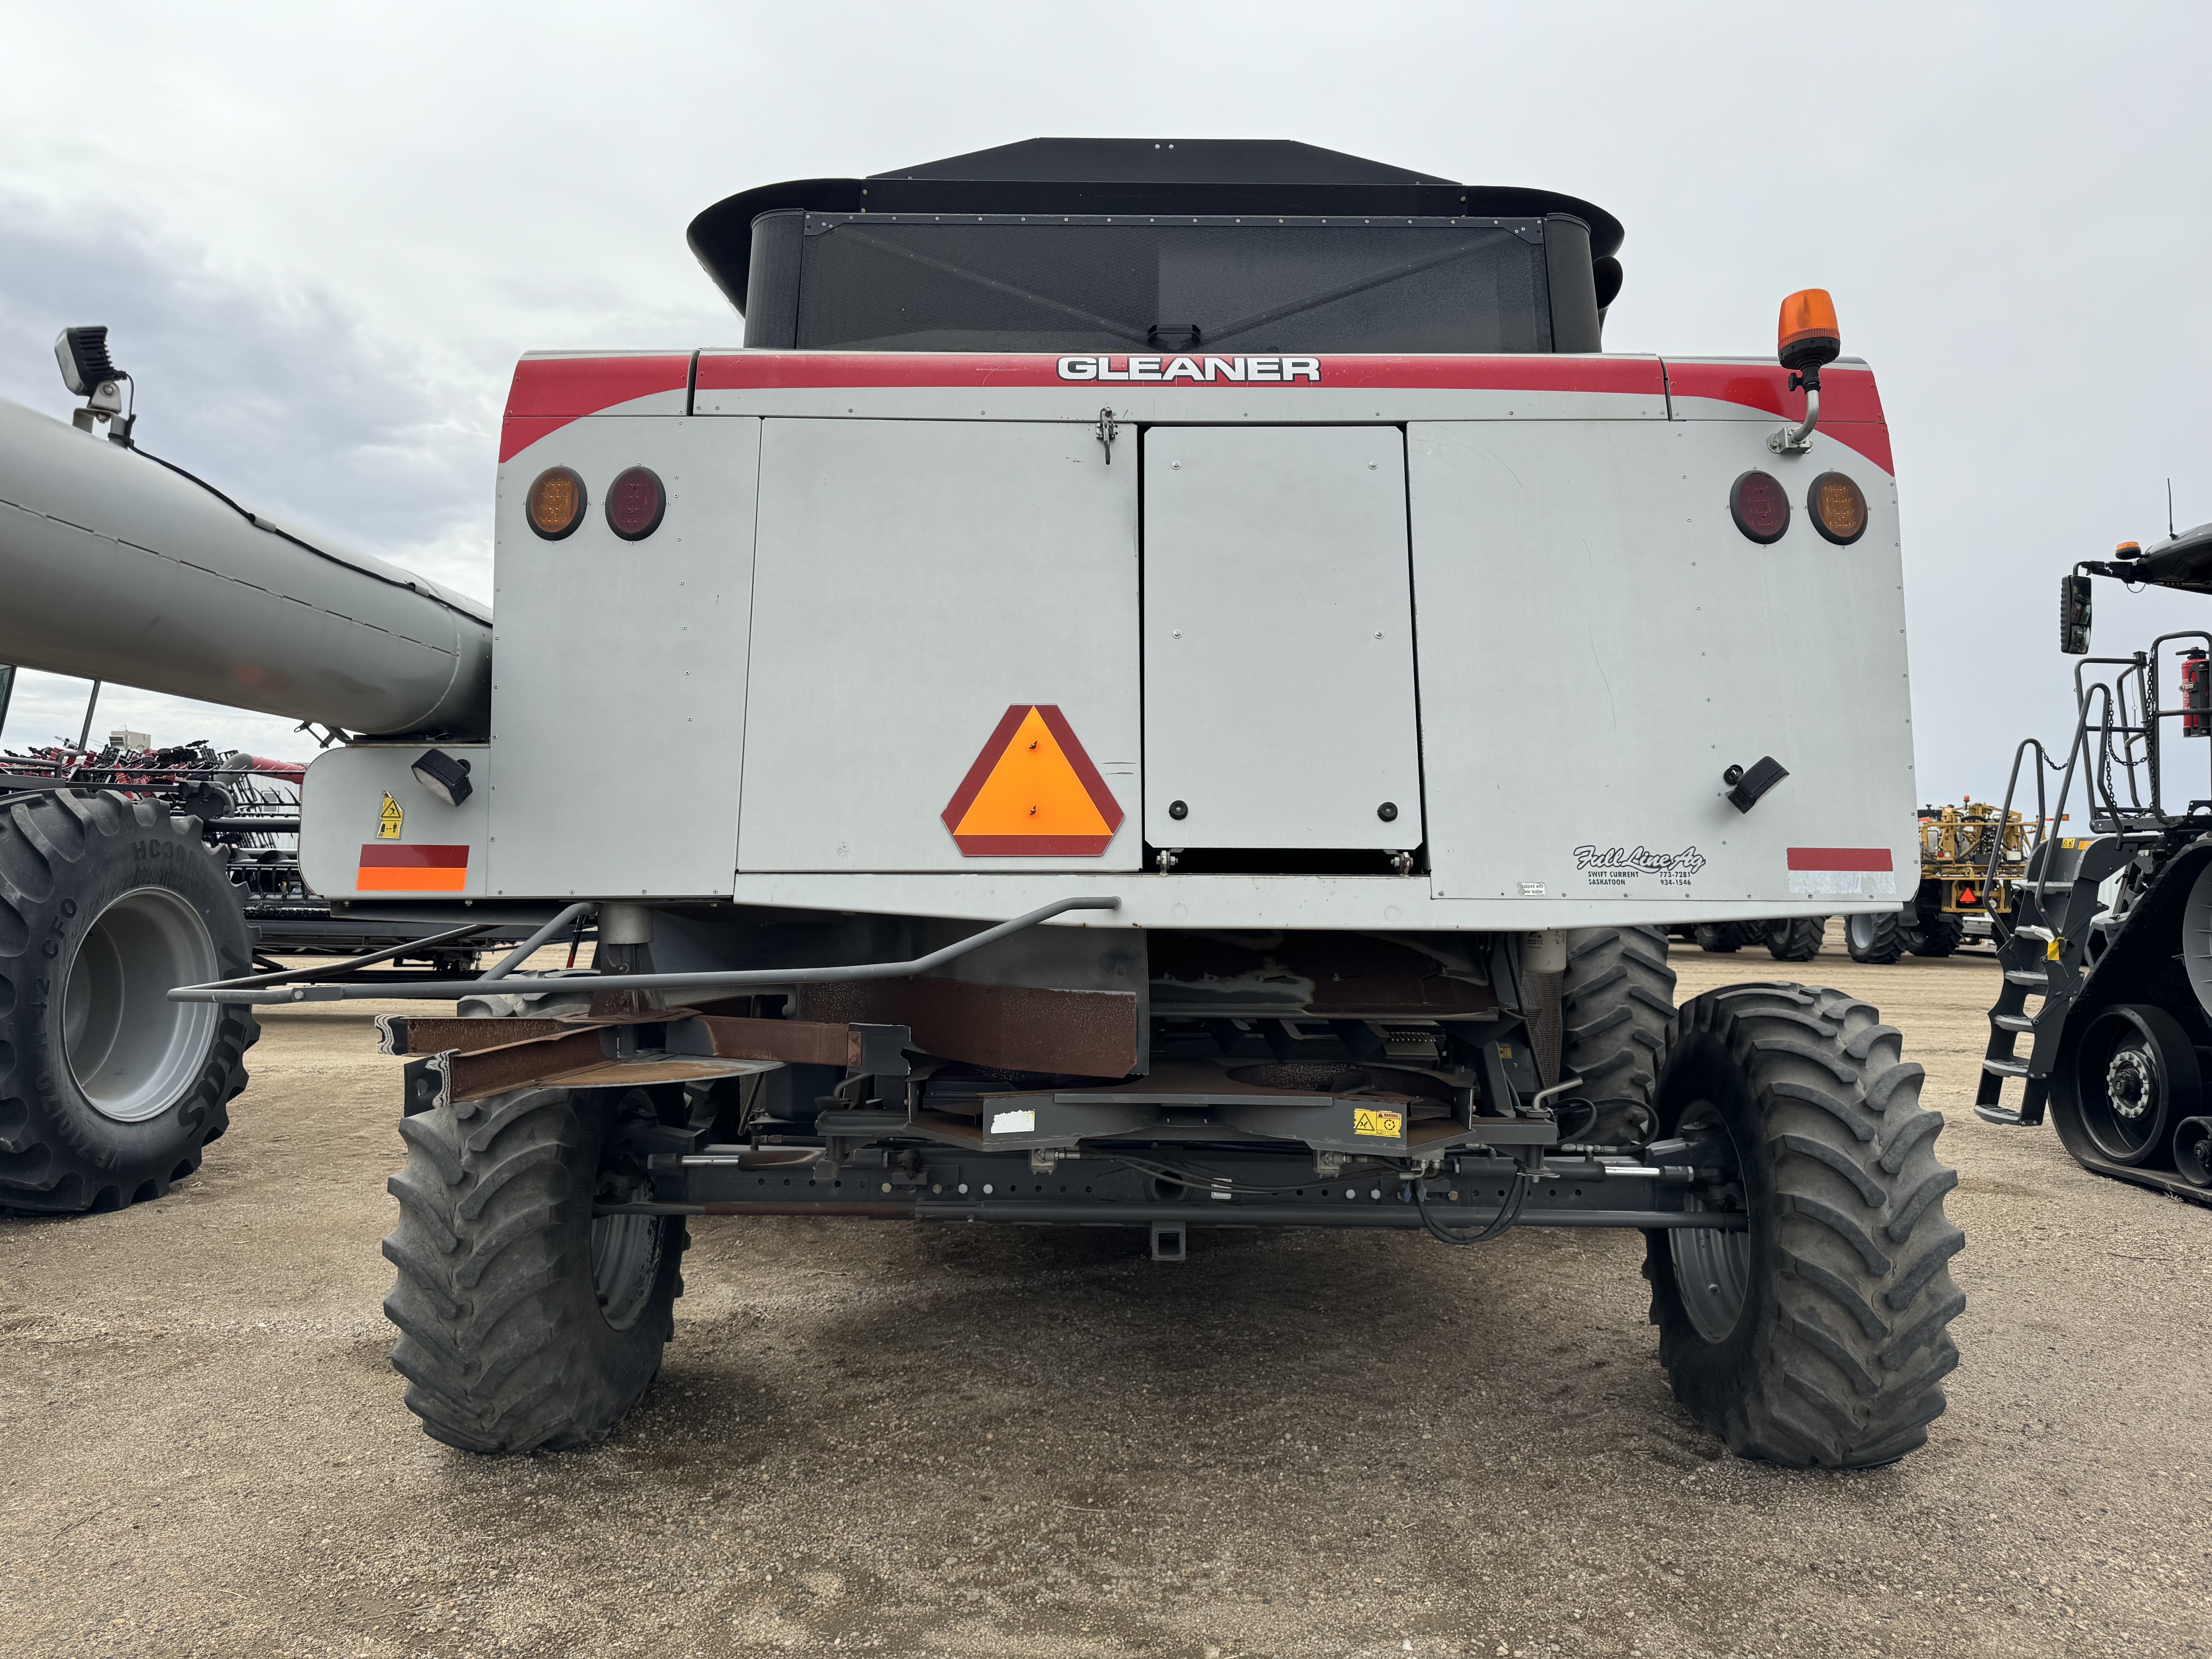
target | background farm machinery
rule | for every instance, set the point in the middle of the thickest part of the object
(2108, 950)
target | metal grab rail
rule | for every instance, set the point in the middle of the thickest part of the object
(2141, 770)
(234, 991)
(2043, 829)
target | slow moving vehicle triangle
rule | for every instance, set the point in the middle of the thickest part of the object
(1032, 792)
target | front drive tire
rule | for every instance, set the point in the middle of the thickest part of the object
(108, 1091)
(525, 1324)
(1819, 1337)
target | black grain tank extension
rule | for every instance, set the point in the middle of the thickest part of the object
(1129, 243)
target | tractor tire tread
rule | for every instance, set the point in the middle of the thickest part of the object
(1849, 1317)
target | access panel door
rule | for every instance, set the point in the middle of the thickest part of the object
(944, 670)
(1278, 640)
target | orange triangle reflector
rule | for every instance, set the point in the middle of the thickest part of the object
(1032, 792)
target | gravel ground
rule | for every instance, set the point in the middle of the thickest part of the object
(871, 1436)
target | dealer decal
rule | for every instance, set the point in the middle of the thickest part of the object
(1200, 371)
(1616, 867)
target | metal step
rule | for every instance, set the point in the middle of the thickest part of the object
(2024, 976)
(2002, 1116)
(2012, 1022)
(2005, 1067)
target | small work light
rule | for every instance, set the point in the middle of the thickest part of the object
(91, 375)
(83, 354)
(446, 778)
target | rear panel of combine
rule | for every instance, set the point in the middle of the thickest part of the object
(1381, 642)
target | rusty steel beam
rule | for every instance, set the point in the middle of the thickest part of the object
(404, 1034)
(794, 1041)
(474, 1074)
(1015, 1028)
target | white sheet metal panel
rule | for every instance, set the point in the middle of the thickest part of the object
(916, 580)
(1600, 643)
(1279, 642)
(619, 681)
(341, 812)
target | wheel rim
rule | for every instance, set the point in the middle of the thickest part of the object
(1859, 931)
(625, 1264)
(2123, 1088)
(132, 1052)
(1712, 1268)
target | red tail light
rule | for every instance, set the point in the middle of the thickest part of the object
(1760, 507)
(636, 503)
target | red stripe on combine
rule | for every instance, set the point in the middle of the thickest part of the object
(773, 371)
(548, 393)
(1850, 407)
(390, 856)
(1840, 858)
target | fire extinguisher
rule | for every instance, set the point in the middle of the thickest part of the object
(2196, 694)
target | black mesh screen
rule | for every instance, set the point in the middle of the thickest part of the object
(902, 282)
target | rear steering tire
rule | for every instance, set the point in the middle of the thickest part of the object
(1935, 934)
(1795, 939)
(1873, 939)
(108, 1091)
(1818, 1335)
(526, 1324)
(1619, 998)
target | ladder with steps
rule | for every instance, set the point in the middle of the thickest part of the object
(2047, 955)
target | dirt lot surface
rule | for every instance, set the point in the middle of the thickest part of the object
(875, 1435)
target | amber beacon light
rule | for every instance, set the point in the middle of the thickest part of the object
(1805, 340)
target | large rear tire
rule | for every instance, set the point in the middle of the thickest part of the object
(525, 1324)
(1818, 1335)
(1723, 937)
(1795, 939)
(108, 1091)
(1618, 1002)
(1873, 939)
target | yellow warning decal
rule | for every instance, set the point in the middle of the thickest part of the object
(389, 821)
(2051, 950)
(1373, 1121)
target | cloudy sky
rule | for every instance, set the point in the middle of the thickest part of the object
(322, 234)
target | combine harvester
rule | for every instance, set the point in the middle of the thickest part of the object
(1131, 701)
